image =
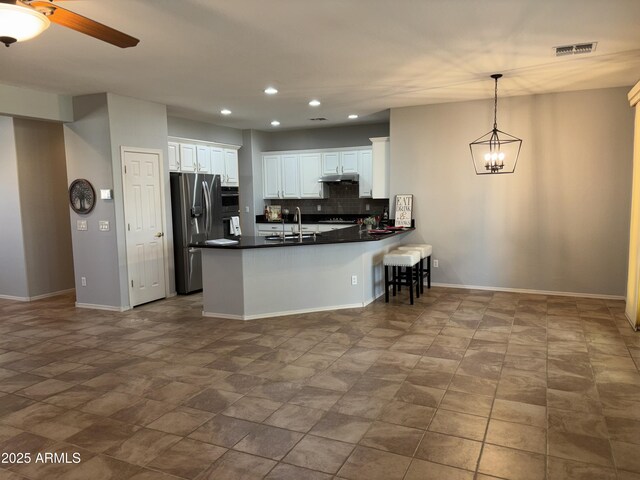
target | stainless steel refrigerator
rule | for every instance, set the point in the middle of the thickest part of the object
(196, 205)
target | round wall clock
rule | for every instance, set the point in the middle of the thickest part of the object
(82, 196)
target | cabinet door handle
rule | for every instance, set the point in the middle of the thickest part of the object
(337, 170)
(343, 169)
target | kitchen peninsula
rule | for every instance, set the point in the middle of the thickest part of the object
(267, 276)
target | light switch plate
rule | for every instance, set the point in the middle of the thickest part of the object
(106, 194)
(103, 225)
(81, 225)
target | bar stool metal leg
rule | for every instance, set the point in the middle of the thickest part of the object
(429, 271)
(410, 283)
(421, 275)
(386, 284)
(394, 278)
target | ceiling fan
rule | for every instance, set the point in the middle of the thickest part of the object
(24, 19)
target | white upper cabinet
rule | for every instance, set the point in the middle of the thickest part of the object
(349, 162)
(330, 163)
(271, 176)
(217, 162)
(203, 164)
(205, 157)
(339, 162)
(188, 161)
(174, 157)
(295, 174)
(224, 162)
(231, 168)
(365, 169)
(310, 172)
(380, 169)
(290, 176)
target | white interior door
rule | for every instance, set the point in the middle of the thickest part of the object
(144, 234)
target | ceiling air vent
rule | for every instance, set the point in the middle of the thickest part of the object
(576, 49)
(318, 119)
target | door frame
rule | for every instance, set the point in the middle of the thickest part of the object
(165, 243)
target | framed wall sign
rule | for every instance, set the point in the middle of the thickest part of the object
(404, 208)
(82, 196)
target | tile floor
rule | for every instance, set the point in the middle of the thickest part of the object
(462, 385)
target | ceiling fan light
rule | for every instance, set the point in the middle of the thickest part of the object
(20, 23)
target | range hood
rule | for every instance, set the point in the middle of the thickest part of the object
(348, 178)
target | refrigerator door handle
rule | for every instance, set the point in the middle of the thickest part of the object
(207, 206)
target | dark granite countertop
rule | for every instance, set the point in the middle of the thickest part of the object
(345, 235)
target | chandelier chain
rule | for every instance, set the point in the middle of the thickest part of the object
(495, 106)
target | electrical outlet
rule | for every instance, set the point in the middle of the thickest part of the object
(83, 281)
(81, 225)
(103, 225)
(435, 264)
(366, 207)
(354, 279)
(319, 208)
(246, 209)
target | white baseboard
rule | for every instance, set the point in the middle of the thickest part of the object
(14, 298)
(108, 308)
(38, 297)
(529, 291)
(280, 314)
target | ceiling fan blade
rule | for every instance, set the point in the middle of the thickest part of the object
(71, 20)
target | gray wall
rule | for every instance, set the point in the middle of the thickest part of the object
(181, 127)
(44, 205)
(258, 145)
(328, 137)
(560, 223)
(103, 124)
(142, 124)
(95, 253)
(28, 103)
(13, 268)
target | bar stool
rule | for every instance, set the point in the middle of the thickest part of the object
(425, 252)
(408, 259)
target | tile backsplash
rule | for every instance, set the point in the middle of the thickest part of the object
(340, 199)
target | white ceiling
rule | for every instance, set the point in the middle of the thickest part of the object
(356, 56)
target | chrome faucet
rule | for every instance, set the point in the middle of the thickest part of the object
(299, 217)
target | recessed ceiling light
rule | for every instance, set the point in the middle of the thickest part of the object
(270, 90)
(275, 123)
(352, 116)
(314, 103)
(225, 111)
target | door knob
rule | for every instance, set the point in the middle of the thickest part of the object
(159, 234)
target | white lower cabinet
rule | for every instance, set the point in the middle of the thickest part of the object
(266, 229)
(327, 227)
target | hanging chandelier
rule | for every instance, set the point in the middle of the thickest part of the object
(495, 151)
